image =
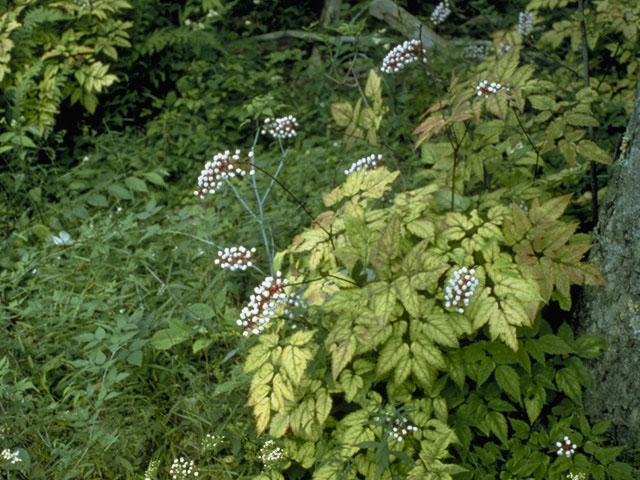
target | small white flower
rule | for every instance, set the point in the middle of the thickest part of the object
(11, 457)
(63, 238)
(270, 454)
(565, 447)
(182, 469)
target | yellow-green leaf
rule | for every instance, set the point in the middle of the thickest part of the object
(408, 296)
(591, 151)
(342, 113)
(279, 425)
(294, 362)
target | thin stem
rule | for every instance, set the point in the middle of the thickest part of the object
(260, 201)
(535, 170)
(585, 79)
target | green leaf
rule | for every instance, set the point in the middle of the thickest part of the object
(351, 384)
(428, 354)
(177, 333)
(553, 344)
(438, 328)
(581, 119)
(294, 362)
(534, 400)
(342, 352)
(324, 402)
(279, 425)
(497, 424)
(591, 151)
(201, 344)
(589, 346)
(569, 384)
(408, 296)
(342, 113)
(136, 184)
(118, 191)
(509, 381)
(201, 311)
(422, 228)
(485, 369)
(302, 337)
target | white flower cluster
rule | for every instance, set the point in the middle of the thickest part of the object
(577, 476)
(477, 51)
(371, 162)
(11, 457)
(525, 22)
(484, 88)
(270, 454)
(182, 469)
(263, 305)
(440, 14)
(223, 166)
(235, 258)
(565, 447)
(151, 470)
(398, 427)
(284, 127)
(460, 289)
(211, 441)
(408, 52)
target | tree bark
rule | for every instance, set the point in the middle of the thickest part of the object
(399, 19)
(613, 311)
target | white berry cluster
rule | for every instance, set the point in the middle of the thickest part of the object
(503, 48)
(371, 162)
(577, 476)
(484, 88)
(225, 165)
(408, 52)
(398, 427)
(268, 296)
(565, 447)
(525, 22)
(440, 14)
(11, 457)
(235, 258)
(284, 127)
(522, 205)
(270, 454)
(460, 289)
(477, 51)
(182, 469)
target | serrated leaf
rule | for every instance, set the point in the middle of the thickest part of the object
(278, 425)
(201, 311)
(422, 228)
(534, 400)
(301, 338)
(118, 191)
(389, 356)
(591, 151)
(427, 353)
(136, 184)
(351, 384)
(294, 362)
(553, 344)
(569, 384)
(438, 328)
(589, 346)
(497, 424)
(324, 402)
(342, 113)
(342, 352)
(581, 119)
(408, 296)
(262, 412)
(509, 381)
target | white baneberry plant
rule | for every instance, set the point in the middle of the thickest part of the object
(484, 88)
(525, 23)
(397, 427)
(235, 258)
(223, 167)
(408, 52)
(281, 128)
(441, 12)
(460, 289)
(371, 162)
(268, 300)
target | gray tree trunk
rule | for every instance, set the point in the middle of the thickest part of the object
(613, 311)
